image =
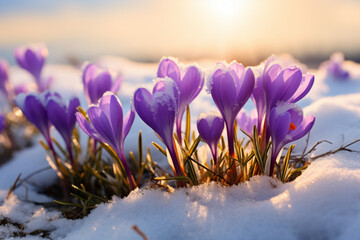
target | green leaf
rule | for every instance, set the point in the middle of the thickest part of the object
(257, 151)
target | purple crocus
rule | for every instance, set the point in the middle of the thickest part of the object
(334, 67)
(287, 124)
(275, 83)
(247, 122)
(62, 116)
(97, 81)
(189, 82)
(33, 107)
(108, 126)
(32, 59)
(158, 110)
(231, 86)
(210, 127)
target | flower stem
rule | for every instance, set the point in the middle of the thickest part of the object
(178, 171)
(64, 184)
(232, 171)
(130, 177)
(178, 130)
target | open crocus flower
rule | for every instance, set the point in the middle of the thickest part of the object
(97, 81)
(158, 110)
(210, 127)
(32, 59)
(231, 86)
(247, 122)
(108, 126)
(62, 116)
(189, 82)
(287, 124)
(275, 83)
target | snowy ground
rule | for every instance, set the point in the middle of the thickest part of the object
(323, 203)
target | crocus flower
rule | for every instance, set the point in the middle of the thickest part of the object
(32, 59)
(97, 81)
(34, 109)
(231, 86)
(108, 126)
(275, 83)
(158, 110)
(62, 116)
(334, 67)
(210, 127)
(2, 122)
(189, 82)
(287, 124)
(247, 122)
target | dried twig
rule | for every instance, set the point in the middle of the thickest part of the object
(341, 148)
(137, 230)
(18, 183)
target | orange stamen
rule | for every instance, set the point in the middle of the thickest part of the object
(292, 126)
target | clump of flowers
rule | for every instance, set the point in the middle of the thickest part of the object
(102, 169)
(275, 122)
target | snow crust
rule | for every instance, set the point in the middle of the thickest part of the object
(323, 203)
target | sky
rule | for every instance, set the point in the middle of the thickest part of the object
(189, 29)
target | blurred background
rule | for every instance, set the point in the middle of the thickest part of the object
(144, 30)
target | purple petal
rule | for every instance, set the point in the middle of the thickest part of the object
(128, 121)
(57, 115)
(223, 90)
(98, 86)
(34, 63)
(117, 83)
(189, 87)
(35, 112)
(304, 128)
(292, 79)
(72, 109)
(273, 86)
(142, 103)
(246, 88)
(237, 69)
(168, 68)
(102, 125)
(210, 127)
(116, 117)
(305, 86)
(88, 128)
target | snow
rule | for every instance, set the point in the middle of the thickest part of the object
(323, 203)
